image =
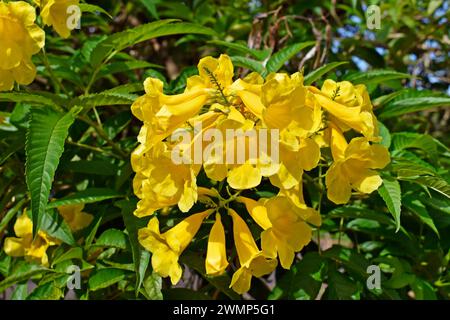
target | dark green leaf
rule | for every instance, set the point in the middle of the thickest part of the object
(45, 144)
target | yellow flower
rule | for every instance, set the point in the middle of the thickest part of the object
(252, 260)
(216, 256)
(167, 247)
(24, 245)
(349, 106)
(74, 217)
(352, 166)
(285, 229)
(162, 113)
(305, 156)
(54, 13)
(159, 182)
(20, 39)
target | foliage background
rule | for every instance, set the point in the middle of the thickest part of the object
(405, 65)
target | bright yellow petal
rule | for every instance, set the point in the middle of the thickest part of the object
(181, 235)
(14, 247)
(243, 239)
(216, 256)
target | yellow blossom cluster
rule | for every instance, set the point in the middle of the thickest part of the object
(21, 37)
(306, 119)
(35, 250)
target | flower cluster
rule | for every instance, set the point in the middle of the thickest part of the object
(302, 119)
(21, 37)
(23, 245)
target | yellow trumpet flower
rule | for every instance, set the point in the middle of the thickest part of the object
(352, 166)
(216, 257)
(24, 245)
(167, 247)
(20, 39)
(252, 260)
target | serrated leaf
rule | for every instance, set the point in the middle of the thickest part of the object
(85, 7)
(72, 253)
(121, 40)
(112, 238)
(86, 196)
(28, 98)
(105, 99)
(391, 194)
(319, 72)
(406, 140)
(405, 106)
(277, 61)
(414, 205)
(44, 146)
(248, 63)
(106, 277)
(436, 183)
(153, 286)
(243, 49)
(375, 76)
(54, 225)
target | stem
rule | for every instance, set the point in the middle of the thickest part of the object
(56, 83)
(105, 137)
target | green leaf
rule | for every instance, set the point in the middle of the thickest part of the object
(222, 282)
(414, 205)
(150, 5)
(112, 238)
(303, 281)
(407, 140)
(319, 72)
(375, 76)
(141, 257)
(33, 99)
(153, 286)
(44, 146)
(86, 196)
(11, 214)
(341, 287)
(243, 49)
(436, 183)
(354, 212)
(106, 277)
(85, 7)
(54, 225)
(248, 63)
(21, 292)
(124, 66)
(410, 105)
(385, 135)
(277, 61)
(391, 194)
(107, 98)
(121, 40)
(72, 253)
(423, 290)
(24, 273)
(48, 291)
